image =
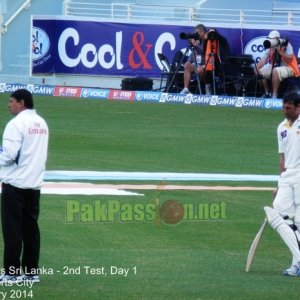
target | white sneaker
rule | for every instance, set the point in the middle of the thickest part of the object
(31, 278)
(185, 91)
(11, 279)
(291, 271)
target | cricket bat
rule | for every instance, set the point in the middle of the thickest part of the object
(254, 245)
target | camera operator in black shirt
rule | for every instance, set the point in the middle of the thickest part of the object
(210, 48)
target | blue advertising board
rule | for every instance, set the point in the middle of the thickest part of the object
(90, 47)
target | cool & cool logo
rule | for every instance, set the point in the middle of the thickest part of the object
(256, 48)
(40, 43)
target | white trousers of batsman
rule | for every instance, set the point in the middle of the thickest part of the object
(285, 231)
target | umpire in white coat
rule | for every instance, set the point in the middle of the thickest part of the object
(22, 160)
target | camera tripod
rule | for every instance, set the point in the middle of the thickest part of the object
(192, 49)
(211, 59)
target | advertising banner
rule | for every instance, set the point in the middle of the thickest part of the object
(93, 48)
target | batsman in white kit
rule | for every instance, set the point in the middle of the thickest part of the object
(284, 217)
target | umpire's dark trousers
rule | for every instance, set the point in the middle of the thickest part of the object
(21, 235)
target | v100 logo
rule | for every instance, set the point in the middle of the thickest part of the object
(40, 43)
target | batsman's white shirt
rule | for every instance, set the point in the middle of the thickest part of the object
(24, 150)
(288, 194)
(289, 143)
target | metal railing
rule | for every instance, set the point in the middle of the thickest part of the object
(4, 25)
(163, 13)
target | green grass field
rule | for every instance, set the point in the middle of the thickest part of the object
(194, 259)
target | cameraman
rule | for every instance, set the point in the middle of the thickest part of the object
(217, 50)
(213, 48)
(277, 63)
(190, 65)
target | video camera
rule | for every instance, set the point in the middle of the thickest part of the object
(273, 43)
(211, 35)
(188, 36)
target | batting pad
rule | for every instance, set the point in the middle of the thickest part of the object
(284, 230)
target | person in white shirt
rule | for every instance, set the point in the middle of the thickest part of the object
(284, 217)
(278, 62)
(22, 160)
